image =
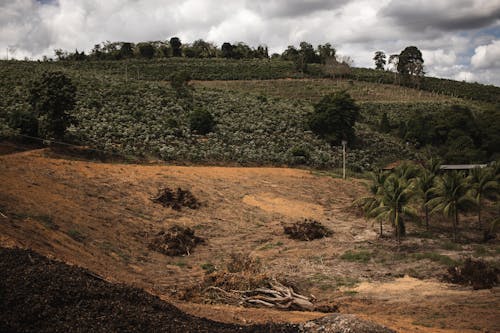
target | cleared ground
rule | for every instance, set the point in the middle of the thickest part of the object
(99, 216)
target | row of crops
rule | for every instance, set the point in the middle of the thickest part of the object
(145, 118)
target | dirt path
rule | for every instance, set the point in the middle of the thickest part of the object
(99, 216)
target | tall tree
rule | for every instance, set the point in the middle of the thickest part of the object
(424, 184)
(451, 197)
(484, 186)
(411, 64)
(334, 117)
(379, 59)
(146, 50)
(126, 50)
(175, 44)
(52, 96)
(227, 50)
(395, 196)
(326, 51)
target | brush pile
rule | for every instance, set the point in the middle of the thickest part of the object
(476, 273)
(176, 241)
(176, 199)
(243, 283)
(307, 230)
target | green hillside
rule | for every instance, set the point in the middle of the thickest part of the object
(260, 108)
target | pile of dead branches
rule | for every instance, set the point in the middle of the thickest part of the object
(307, 230)
(243, 283)
(476, 273)
(274, 295)
(176, 241)
(176, 199)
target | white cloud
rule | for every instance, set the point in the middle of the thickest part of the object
(487, 56)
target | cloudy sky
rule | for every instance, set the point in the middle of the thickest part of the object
(459, 39)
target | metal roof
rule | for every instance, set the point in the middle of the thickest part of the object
(461, 166)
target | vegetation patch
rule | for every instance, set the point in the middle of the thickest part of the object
(357, 256)
(76, 235)
(476, 273)
(176, 241)
(176, 199)
(307, 230)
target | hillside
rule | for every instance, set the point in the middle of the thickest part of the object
(99, 216)
(127, 107)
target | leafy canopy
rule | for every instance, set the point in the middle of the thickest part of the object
(334, 117)
(51, 97)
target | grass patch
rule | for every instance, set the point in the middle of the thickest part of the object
(76, 235)
(436, 257)
(357, 256)
(451, 246)
(180, 264)
(270, 246)
(208, 267)
(48, 222)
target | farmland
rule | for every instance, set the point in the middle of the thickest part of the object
(94, 199)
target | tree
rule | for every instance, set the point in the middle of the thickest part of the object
(179, 81)
(384, 126)
(201, 122)
(450, 197)
(484, 186)
(146, 50)
(334, 117)
(326, 51)
(51, 97)
(227, 50)
(380, 60)
(424, 184)
(175, 44)
(411, 64)
(394, 199)
(127, 51)
(370, 204)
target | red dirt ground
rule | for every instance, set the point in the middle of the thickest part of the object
(100, 217)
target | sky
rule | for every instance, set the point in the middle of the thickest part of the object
(459, 39)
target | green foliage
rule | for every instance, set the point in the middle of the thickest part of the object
(201, 122)
(379, 59)
(76, 235)
(334, 118)
(146, 50)
(385, 126)
(175, 44)
(23, 120)
(51, 97)
(450, 196)
(179, 81)
(357, 256)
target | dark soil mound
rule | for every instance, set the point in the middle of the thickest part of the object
(477, 273)
(176, 199)
(176, 241)
(42, 295)
(307, 230)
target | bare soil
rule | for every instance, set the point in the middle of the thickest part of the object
(100, 217)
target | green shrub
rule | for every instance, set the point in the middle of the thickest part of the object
(201, 121)
(359, 256)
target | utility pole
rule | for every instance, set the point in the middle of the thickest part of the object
(344, 144)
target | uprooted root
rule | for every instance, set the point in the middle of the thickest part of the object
(176, 241)
(477, 273)
(176, 199)
(307, 230)
(243, 283)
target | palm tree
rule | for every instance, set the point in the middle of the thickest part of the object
(424, 184)
(394, 198)
(370, 203)
(450, 197)
(483, 185)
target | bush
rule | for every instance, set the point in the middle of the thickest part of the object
(51, 96)
(25, 121)
(334, 117)
(201, 122)
(179, 81)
